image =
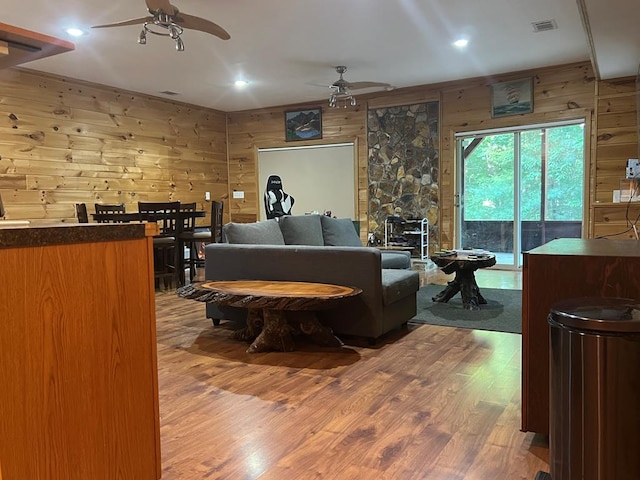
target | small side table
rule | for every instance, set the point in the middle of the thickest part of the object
(463, 265)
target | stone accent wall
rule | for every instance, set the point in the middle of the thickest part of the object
(404, 166)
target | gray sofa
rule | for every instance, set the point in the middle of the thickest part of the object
(317, 248)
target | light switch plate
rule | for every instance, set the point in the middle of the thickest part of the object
(238, 194)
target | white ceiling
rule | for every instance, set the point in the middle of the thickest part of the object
(287, 48)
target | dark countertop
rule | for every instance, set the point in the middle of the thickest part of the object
(594, 247)
(40, 235)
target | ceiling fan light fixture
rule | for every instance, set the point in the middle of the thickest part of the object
(179, 44)
(341, 99)
(174, 31)
(142, 38)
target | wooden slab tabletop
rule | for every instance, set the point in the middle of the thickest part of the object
(272, 288)
(464, 261)
(270, 294)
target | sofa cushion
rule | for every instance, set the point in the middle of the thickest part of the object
(301, 230)
(397, 284)
(339, 232)
(265, 233)
(395, 259)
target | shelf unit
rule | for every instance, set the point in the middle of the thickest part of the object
(408, 233)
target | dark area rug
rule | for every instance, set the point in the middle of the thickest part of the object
(502, 313)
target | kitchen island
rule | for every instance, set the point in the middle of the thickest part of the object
(79, 396)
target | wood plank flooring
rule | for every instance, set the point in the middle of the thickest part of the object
(427, 402)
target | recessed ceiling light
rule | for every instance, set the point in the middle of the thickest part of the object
(461, 43)
(75, 32)
(241, 83)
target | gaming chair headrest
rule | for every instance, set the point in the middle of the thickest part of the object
(274, 182)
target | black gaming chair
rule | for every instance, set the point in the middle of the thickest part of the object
(276, 202)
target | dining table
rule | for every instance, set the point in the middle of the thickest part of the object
(128, 217)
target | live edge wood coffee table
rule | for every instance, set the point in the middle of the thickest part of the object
(277, 310)
(463, 265)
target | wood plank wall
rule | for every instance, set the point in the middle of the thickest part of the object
(615, 140)
(252, 130)
(63, 142)
(561, 93)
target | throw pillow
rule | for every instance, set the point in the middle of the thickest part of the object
(339, 232)
(301, 229)
(265, 233)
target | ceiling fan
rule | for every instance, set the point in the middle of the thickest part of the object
(341, 89)
(165, 19)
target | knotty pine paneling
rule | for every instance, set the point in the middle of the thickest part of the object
(616, 141)
(252, 130)
(64, 142)
(562, 92)
(72, 141)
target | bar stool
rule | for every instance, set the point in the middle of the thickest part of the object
(105, 208)
(165, 245)
(193, 239)
(81, 213)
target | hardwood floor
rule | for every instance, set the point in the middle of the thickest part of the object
(428, 402)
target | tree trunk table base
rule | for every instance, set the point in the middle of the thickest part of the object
(276, 310)
(464, 282)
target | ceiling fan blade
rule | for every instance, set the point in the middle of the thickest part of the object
(161, 5)
(359, 85)
(323, 85)
(135, 21)
(197, 23)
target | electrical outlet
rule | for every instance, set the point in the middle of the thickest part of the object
(633, 168)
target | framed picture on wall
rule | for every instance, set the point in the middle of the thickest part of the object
(512, 98)
(303, 124)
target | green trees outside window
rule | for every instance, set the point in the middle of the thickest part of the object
(551, 174)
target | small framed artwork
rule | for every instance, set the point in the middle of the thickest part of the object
(512, 98)
(303, 124)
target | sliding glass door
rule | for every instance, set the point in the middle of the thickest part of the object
(518, 189)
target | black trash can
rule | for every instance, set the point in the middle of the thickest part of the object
(595, 389)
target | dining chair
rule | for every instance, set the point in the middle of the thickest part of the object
(105, 208)
(194, 239)
(81, 213)
(165, 244)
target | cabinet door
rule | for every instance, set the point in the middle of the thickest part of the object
(80, 400)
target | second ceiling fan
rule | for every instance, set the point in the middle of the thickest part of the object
(341, 89)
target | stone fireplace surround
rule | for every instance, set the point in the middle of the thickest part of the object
(403, 165)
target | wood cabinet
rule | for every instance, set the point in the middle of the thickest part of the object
(79, 396)
(561, 269)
